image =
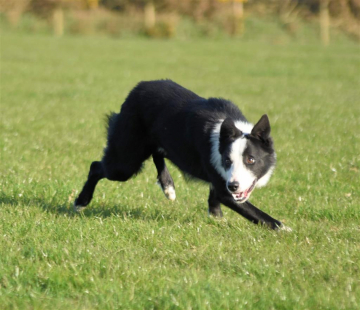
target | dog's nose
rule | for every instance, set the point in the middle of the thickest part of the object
(233, 186)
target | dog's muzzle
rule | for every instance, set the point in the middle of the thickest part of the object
(233, 188)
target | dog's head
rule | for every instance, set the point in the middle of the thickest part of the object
(247, 159)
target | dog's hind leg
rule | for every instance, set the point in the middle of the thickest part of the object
(96, 173)
(164, 178)
(214, 203)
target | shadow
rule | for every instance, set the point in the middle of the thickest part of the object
(99, 211)
(38, 202)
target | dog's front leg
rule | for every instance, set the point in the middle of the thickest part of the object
(214, 203)
(250, 212)
(262, 217)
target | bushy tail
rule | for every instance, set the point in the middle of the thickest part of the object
(110, 120)
(110, 124)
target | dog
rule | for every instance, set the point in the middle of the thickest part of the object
(207, 139)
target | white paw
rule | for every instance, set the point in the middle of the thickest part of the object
(78, 208)
(285, 228)
(170, 193)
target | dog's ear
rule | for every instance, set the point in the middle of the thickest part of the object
(262, 129)
(229, 131)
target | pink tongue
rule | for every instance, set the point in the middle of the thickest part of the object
(242, 194)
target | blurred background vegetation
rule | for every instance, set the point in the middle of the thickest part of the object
(186, 18)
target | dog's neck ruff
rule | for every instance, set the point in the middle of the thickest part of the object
(215, 158)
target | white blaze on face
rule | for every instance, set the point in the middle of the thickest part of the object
(216, 156)
(238, 172)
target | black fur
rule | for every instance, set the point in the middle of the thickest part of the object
(164, 120)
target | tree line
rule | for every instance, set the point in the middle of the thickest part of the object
(345, 13)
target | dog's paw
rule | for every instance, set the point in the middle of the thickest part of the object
(215, 212)
(285, 228)
(169, 193)
(78, 207)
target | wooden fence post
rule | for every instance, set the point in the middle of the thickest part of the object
(238, 16)
(324, 22)
(58, 21)
(149, 15)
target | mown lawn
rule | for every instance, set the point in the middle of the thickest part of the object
(133, 249)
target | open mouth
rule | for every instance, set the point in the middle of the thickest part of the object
(243, 196)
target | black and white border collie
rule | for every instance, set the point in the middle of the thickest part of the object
(208, 139)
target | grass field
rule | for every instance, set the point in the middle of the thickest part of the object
(133, 249)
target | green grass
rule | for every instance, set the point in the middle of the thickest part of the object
(133, 249)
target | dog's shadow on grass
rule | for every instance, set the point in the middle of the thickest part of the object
(96, 211)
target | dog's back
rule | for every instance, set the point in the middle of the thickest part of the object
(137, 131)
(176, 120)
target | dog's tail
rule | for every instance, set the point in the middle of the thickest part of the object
(110, 120)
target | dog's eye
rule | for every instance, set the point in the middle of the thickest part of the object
(250, 160)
